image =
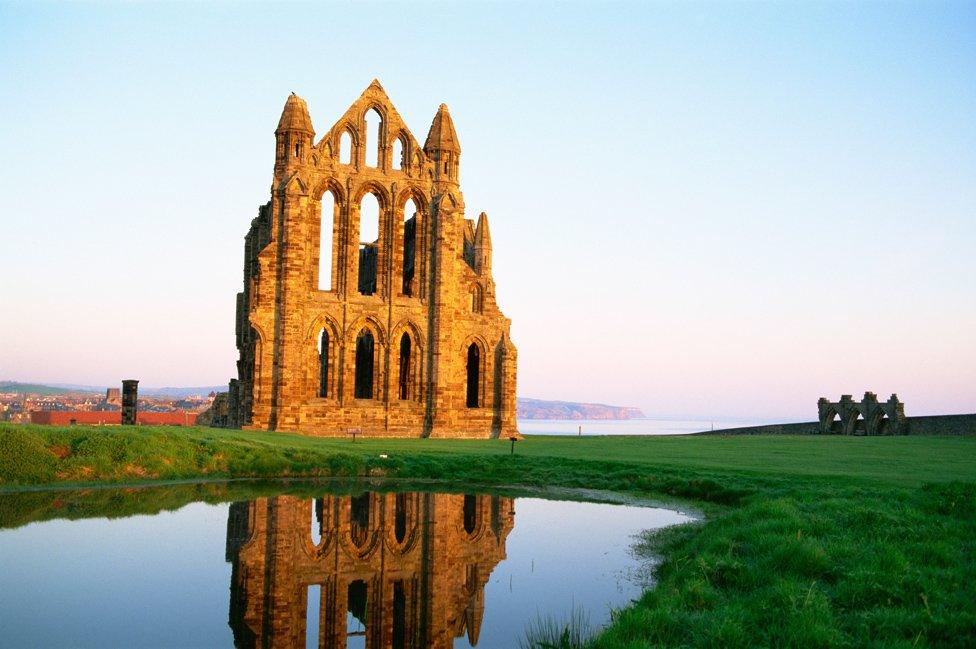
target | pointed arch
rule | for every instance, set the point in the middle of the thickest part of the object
(346, 146)
(408, 361)
(373, 126)
(408, 252)
(400, 156)
(366, 349)
(473, 377)
(472, 515)
(474, 359)
(365, 365)
(293, 184)
(402, 521)
(367, 322)
(370, 212)
(328, 218)
(359, 521)
(323, 343)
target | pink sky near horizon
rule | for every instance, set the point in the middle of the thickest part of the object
(723, 212)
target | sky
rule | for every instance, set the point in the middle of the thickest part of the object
(699, 209)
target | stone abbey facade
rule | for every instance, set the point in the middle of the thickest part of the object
(381, 321)
(391, 570)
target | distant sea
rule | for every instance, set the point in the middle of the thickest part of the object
(647, 426)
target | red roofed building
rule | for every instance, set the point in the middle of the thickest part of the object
(67, 418)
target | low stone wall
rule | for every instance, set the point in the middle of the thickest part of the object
(931, 425)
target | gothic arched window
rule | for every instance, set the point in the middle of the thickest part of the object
(474, 376)
(324, 363)
(364, 365)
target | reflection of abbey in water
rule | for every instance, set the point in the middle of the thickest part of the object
(403, 570)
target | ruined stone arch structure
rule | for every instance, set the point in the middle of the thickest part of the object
(866, 417)
(426, 276)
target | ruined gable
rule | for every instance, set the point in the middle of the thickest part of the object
(368, 302)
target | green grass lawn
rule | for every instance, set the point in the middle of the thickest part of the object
(808, 541)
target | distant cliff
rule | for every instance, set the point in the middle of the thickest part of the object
(539, 409)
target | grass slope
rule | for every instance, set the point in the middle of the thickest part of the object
(810, 541)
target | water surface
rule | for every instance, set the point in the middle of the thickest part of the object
(633, 426)
(358, 569)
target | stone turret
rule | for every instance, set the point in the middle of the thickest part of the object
(482, 245)
(443, 147)
(294, 133)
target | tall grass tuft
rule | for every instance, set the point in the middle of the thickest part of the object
(546, 632)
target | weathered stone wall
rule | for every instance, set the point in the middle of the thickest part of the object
(433, 294)
(411, 566)
(927, 425)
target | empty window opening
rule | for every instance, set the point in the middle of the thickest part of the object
(404, 391)
(409, 245)
(470, 513)
(356, 616)
(324, 363)
(345, 148)
(312, 607)
(445, 166)
(317, 521)
(326, 240)
(364, 365)
(474, 373)
(369, 243)
(477, 299)
(835, 423)
(400, 518)
(398, 157)
(298, 150)
(372, 142)
(399, 616)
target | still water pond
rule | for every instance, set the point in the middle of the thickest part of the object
(367, 569)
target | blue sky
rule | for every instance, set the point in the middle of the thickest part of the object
(697, 208)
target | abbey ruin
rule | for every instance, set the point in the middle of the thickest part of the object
(867, 417)
(369, 304)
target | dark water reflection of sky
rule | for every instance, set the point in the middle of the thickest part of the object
(163, 580)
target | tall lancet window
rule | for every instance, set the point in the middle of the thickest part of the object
(474, 376)
(409, 246)
(369, 243)
(374, 123)
(364, 365)
(405, 381)
(326, 225)
(324, 363)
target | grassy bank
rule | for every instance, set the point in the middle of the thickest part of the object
(810, 541)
